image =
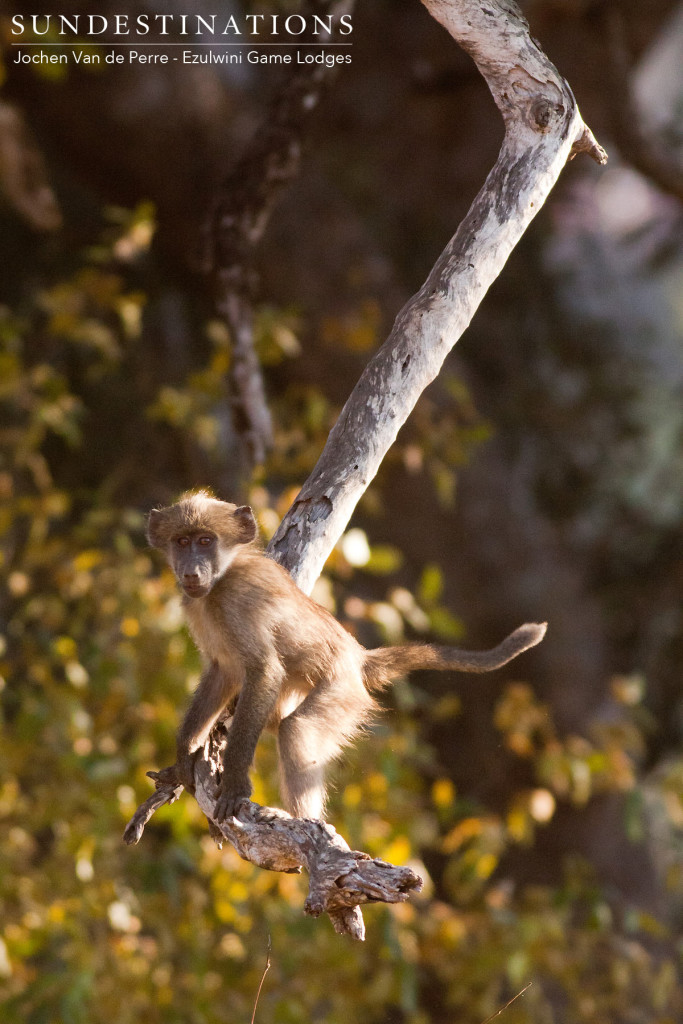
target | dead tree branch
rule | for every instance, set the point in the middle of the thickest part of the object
(543, 129)
(341, 880)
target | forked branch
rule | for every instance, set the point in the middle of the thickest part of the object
(341, 880)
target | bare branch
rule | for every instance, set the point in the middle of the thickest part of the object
(167, 791)
(341, 880)
(543, 128)
(243, 208)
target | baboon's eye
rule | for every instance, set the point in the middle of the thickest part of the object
(182, 542)
(205, 541)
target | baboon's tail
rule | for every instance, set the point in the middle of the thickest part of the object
(384, 664)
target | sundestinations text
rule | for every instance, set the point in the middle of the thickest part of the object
(180, 24)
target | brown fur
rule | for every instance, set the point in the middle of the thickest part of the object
(292, 666)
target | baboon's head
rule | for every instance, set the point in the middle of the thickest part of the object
(200, 536)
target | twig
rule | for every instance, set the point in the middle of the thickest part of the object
(167, 791)
(509, 1003)
(263, 978)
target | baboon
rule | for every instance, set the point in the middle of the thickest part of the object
(283, 660)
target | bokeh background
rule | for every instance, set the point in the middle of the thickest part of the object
(539, 478)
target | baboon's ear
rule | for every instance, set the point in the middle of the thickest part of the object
(246, 523)
(156, 531)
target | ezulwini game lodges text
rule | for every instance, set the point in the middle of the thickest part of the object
(186, 57)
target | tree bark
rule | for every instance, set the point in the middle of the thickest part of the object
(341, 880)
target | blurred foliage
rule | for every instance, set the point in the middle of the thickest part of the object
(96, 665)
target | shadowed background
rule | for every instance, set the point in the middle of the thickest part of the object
(539, 477)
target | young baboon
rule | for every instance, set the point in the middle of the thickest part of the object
(289, 663)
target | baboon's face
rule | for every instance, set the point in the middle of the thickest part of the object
(200, 537)
(197, 561)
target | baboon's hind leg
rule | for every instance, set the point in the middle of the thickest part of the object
(312, 736)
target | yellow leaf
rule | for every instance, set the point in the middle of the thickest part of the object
(353, 795)
(486, 865)
(443, 793)
(397, 852)
(87, 560)
(378, 784)
(65, 648)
